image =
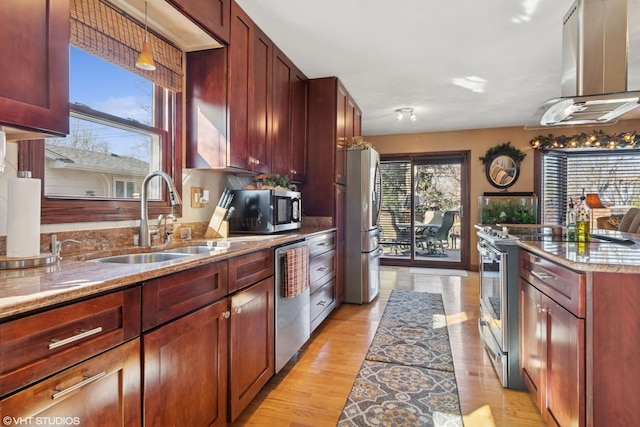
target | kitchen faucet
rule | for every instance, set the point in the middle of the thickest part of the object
(174, 199)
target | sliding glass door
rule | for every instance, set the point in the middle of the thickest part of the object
(423, 206)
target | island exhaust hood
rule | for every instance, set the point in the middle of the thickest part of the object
(600, 66)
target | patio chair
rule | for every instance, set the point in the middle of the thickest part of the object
(436, 241)
(399, 238)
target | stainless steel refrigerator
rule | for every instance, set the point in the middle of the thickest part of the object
(364, 197)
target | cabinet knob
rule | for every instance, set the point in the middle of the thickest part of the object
(237, 310)
(293, 171)
(226, 314)
(541, 309)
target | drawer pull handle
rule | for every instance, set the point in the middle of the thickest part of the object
(542, 276)
(322, 269)
(321, 303)
(321, 244)
(83, 334)
(81, 384)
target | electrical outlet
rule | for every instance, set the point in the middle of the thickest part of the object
(196, 195)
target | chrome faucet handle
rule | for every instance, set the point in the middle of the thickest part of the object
(56, 246)
(167, 233)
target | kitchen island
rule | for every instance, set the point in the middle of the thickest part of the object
(579, 325)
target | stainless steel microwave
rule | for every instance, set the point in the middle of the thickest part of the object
(265, 211)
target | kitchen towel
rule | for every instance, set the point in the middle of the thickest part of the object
(23, 218)
(296, 271)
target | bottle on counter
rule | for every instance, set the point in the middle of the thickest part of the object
(571, 222)
(583, 220)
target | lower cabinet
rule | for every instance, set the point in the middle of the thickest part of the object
(185, 370)
(552, 340)
(101, 391)
(322, 276)
(552, 357)
(251, 351)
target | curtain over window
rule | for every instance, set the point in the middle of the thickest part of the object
(107, 33)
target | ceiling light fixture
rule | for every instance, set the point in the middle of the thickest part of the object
(145, 60)
(401, 113)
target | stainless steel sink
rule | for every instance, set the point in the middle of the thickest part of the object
(205, 249)
(169, 254)
(144, 258)
(194, 250)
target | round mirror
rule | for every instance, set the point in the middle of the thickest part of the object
(502, 171)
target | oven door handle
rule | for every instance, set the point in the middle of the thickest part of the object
(481, 323)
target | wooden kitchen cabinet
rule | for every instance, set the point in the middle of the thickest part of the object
(251, 344)
(168, 297)
(206, 109)
(185, 369)
(322, 276)
(333, 117)
(250, 85)
(329, 108)
(212, 15)
(34, 88)
(38, 345)
(552, 344)
(185, 357)
(289, 119)
(102, 391)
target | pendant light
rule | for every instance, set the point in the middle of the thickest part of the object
(145, 60)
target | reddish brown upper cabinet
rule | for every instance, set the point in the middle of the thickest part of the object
(333, 116)
(212, 15)
(250, 83)
(34, 64)
(206, 95)
(289, 119)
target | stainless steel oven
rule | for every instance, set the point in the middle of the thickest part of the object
(498, 322)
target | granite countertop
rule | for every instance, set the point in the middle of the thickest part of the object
(596, 255)
(24, 290)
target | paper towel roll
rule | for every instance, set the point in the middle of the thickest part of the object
(23, 218)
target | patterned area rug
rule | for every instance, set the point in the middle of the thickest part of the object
(407, 376)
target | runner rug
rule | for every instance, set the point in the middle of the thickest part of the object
(407, 377)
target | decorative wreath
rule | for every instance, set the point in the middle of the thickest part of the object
(503, 149)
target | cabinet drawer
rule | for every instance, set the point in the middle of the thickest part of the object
(566, 287)
(103, 391)
(171, 296)
(248, 269)
(321, 244)
(322, 299)
(321, 266)
(39, 345)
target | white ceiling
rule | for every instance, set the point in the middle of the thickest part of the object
(422, 53)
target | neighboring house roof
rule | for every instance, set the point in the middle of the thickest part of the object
(77, 159)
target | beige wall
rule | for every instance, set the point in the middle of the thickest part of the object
(479, 141)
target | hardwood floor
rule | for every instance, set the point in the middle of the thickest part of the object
(313, 390)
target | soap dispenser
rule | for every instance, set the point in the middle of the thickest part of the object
(583, 220)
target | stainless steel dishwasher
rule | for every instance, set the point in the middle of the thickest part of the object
(293, 315)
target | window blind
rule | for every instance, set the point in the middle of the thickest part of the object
(103, 31)
(613, 175)
(396, 196)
